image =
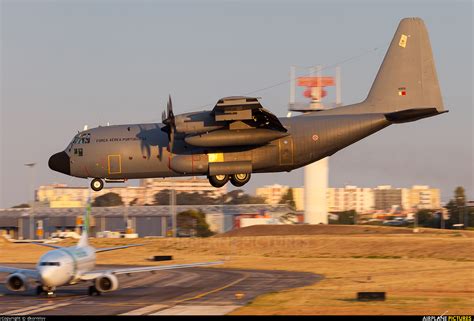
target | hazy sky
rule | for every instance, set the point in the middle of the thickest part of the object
(65, 64)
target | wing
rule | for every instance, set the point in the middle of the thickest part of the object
(95, 274)
(105, 249)
(247, 110)
(27, 272)
(243, 122)
(47, 245)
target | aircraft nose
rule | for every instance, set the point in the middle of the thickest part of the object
(60, 162)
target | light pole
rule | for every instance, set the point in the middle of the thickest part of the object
(415, 227)
(173, 211)
(32, 209)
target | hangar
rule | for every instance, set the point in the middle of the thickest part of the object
(21, 223)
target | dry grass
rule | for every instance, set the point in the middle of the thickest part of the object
(288, 229)
(422, 274)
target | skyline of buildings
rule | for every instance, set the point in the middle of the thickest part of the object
(362, 199)
(61, 195)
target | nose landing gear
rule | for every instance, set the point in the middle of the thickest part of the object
(49, 291)
(97, 184)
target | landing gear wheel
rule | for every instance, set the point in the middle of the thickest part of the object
(97, 184)
(240, 179)
(50, 294)
(218, 180)
(93, 290)
(39, 290)
(49, 290)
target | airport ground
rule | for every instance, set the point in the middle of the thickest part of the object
(427, 273)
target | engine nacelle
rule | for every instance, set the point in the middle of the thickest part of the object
(17, 282)
(196, 122)
(106, 283)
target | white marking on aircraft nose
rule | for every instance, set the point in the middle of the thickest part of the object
(48, 276)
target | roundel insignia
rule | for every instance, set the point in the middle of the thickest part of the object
(315, 137)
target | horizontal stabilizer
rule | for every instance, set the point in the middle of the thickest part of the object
(408, 115)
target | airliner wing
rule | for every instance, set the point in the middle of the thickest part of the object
(47, 245)
(95, 274)
(27, 272)
(105, 249)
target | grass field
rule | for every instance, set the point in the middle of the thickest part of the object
(426, 273)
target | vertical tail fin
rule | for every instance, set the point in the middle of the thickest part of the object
(407, 78)
(84, 240)
(406, 84)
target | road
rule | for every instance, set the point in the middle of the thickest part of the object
(192, 291)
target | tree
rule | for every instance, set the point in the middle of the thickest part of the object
(162, 197)
(109, 199)
(234, 197)
(460, 196)
(23, 205)
(195, 221)
(427, 218)
(238, 196)
(345, 217)
(288, 199)
(134, 202)
(185, 198)
(457, 208)
(288, 218)
(195, 198)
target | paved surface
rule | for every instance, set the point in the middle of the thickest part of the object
(192, 291)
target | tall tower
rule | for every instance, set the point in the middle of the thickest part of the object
(316, 175)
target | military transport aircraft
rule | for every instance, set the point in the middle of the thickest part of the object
(239, 137)
(73, 264)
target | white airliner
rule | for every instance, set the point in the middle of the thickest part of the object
(70, 265)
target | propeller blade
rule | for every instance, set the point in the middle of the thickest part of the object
(169, 108)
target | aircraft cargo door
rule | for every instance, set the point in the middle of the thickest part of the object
(286, 151)
(115, 164)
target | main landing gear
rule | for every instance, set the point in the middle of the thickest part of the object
(93, 290)
(240, 179)
(97, 184)
(236, 179)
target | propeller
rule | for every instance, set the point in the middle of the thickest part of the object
(169, 122)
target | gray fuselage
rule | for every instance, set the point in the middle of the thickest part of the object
(144, 150)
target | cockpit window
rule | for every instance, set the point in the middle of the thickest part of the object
(82, 138)
(49, 263)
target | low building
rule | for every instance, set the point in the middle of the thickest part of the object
(298, 197)
(423, 197)
(385, 197)
(194, 184)
(272, 193)
(362, 199)
(61, 195)
(349, 198)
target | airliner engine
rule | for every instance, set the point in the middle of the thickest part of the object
(106, 283)
(17, 282)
